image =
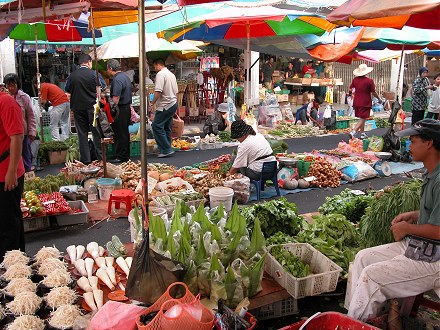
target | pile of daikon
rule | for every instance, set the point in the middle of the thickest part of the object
(96, 267)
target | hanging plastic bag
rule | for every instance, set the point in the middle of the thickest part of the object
(151, 273)
(376, 144)
(241, 187)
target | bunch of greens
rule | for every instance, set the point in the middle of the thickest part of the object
(290, 262)
(225, 136)
(334, 236)
(50, 184)
(279, 238)
(275, 215)
(385, 206)
(351, 205)
(382, 122)
(73, 151)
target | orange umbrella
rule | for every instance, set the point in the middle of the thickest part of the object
(424, 14)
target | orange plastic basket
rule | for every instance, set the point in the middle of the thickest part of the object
(183, 321)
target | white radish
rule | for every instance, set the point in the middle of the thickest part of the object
(71, 251)
(93, 280)
(121, 263)
(101, 251)
(84, 284)
(90, 301)
(112, 274)
(100, 262)
(80, 266)
(89, 266)
(103, 276)
(129, 260)
(79, 251)
(93, 249)
(109, 261)
(99, 298)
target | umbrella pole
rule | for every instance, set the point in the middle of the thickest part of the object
(402, 54)
(143, 110)
(248, 59)
(38, 84)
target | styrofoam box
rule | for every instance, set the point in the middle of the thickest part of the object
(324, 277)
(74, 218)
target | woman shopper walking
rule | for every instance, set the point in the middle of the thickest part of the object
(420, 95)
(362, 88)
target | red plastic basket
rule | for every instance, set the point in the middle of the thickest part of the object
(332, 321)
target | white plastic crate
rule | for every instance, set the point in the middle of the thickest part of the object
(280, 308)
(34, 224)
(74, 218)
(324, 277)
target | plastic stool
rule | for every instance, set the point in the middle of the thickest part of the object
(119, 196)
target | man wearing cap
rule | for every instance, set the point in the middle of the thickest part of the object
(420, 95)
(362, 88)
(217, 122)
(252, 152)
(402, 269)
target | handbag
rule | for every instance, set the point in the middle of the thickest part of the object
(423, 249)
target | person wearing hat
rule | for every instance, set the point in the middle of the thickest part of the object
(399, 269)
(362, 88)
(252, 152)
(420, 95)
(217, 121)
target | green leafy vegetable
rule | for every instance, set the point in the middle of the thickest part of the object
(257, 239)
(280, 238)
(290, 262)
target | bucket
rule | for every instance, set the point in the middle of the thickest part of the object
(383, 168)
(157, 211)
(222, 195)
(105, 188)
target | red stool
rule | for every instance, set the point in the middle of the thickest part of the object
(119, 196)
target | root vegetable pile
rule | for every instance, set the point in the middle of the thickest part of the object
(326, 175)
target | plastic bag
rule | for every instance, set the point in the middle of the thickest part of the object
(104, 125)
(151, 273)
(376, 144)
(241, 187)
(115, 315)
(358, 171)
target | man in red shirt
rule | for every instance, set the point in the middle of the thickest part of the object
(307, 70)
(11, 175)
(362, 88)
(60, 111)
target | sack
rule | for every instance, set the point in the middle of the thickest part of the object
(178, 125)
(151, 273)
(423, 249)
(358, 171)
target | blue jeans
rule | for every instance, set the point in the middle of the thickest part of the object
(162, 127)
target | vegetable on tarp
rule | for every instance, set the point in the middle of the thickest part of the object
(386, 205)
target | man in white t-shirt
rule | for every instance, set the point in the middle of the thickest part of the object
(252, 152)
(165, 97)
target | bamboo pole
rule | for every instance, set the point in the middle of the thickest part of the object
(38, 83)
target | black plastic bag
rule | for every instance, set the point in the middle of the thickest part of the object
(151, 274)
(390, 140)
(105, 127)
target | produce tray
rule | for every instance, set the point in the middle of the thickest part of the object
(34, 224)
(135, 148)
(110, 153)
(280, 308)
(303, 167)
(324, 277)
(74, 218)
(341, 124)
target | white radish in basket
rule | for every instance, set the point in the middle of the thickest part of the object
(80, 266)
(90, 301)
(103, 276)
(109, 261)
(101, 251)
(93, 249)
(84, 284)
(99, 298)
(111, 274)
(93, 280)
(123, 264)
(71, 251)
(89, 266)
(100, 262)
(79, 251)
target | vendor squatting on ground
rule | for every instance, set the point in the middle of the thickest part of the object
(385, 272)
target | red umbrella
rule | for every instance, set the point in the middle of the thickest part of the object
(424, 14)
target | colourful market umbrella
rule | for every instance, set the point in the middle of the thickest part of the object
(411, 38)
(423, 14)
(236, 22)
(128, 46)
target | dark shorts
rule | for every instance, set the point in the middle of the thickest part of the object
(362, 112)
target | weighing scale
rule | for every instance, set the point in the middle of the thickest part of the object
(90, 173)
(382, 167)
